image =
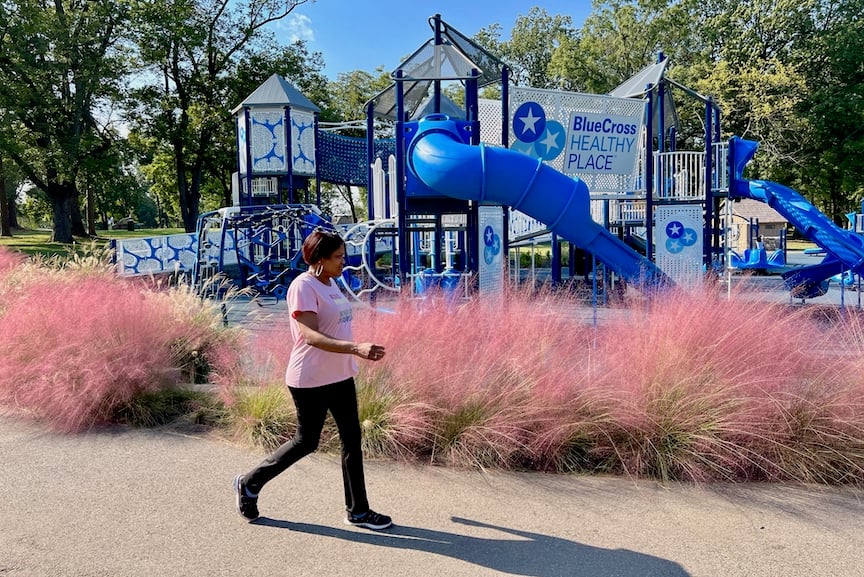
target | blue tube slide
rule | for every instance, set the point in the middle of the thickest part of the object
(442, 162)
(844, 248)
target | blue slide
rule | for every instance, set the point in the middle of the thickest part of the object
(844, 249)
(439, 159)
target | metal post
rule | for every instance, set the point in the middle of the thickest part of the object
(317, 164)
(247, 193)
(707, 249)
(370, 158)
(649, 175)
(402, 225)
(288, 154)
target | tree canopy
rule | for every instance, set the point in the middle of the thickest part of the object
(125, 105)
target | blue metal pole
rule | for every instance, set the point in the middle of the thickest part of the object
(317, 164)
(402, 225)
(556, 259)
(370, 157)
(505, 110)
(246, 194)
(649, 175)
(437, 83)
(707, 241)
(505, 141)
(289, 156)
(661, 111)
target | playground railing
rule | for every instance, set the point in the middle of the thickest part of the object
(721, 167)
(522, 226)
(680, 175)
(618, 209)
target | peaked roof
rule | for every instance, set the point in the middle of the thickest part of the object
(277, 92)
(456, 57)
(437, 62)
(448, 107)
(756, 209)
(635, 85)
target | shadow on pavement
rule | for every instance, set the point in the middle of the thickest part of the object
(531, 554)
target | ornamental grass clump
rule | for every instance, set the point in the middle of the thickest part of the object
(697, 376)
(81, 345)
(468, 373)
(814, 430)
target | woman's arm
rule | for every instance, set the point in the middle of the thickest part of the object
(308, 323)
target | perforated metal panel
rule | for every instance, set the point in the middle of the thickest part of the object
(171, 253)
(678, 243)
(267, 141)
(303, 142)
(490, 121)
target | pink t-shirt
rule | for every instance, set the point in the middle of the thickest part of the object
(310, 366)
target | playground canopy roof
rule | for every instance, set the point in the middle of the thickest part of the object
(448, 107)
(456, 57)
(277, 92)
(636, 87)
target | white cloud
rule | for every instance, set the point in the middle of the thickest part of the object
(297, 27)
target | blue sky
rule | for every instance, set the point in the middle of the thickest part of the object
(362, 35)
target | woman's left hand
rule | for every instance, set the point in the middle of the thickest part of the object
(370, 351)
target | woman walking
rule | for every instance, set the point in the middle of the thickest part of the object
(320, 377)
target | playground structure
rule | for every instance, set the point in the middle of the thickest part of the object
(456, 187)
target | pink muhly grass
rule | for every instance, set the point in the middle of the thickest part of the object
(471, 372)
(78, 347)
(692, 373)
(9, 260)
(814, 430)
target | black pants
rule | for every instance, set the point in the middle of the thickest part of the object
(312, 405)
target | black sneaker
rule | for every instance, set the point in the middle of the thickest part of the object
(370, 519)
(246, 505)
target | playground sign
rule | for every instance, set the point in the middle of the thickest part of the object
(601, 143)
(678, 238)
(596, 138)
(491, 263)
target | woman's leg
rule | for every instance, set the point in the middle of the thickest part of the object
(311, 405)
(343, 407)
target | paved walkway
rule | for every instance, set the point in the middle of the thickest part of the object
(159, 503)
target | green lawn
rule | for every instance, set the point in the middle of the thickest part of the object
(32, 242)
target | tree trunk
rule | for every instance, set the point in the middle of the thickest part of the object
(77, 219)
(5, 228)
(60, 197)
(12, 211)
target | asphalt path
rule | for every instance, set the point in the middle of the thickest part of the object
(143, 503)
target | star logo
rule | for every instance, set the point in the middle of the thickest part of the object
(529, 121)
(488, 236)
(551, 140)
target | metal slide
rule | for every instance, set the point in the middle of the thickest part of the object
(844, 248)
(442, 162)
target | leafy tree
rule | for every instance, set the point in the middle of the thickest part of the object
(349, 94)
(789, 75)
(533, 42)
(58, 62)
(191, 49)
(619, 38)
(351, 91)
